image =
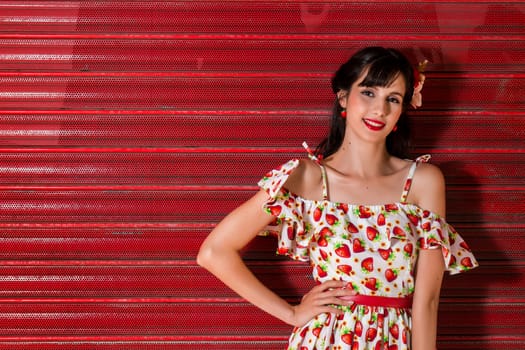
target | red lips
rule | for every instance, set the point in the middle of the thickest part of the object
(373, 124)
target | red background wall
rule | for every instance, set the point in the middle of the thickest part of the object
(129, 128)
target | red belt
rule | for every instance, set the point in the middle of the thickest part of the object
(372, 300)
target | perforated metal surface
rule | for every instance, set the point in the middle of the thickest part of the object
(129, 128)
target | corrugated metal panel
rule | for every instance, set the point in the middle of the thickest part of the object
(129, 128)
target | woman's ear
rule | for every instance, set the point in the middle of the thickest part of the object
(342, 98)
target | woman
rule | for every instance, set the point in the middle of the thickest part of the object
(371, 226)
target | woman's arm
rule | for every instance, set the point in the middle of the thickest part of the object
(429, 193)
(220, 254)
(429, 275)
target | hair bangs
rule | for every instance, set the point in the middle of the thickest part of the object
(381, 72)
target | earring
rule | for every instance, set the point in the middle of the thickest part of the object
(343, 114)
(395, 128)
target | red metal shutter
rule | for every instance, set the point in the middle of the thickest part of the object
(129, 128)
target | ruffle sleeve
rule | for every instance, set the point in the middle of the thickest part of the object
(288, 226)
(437, 233)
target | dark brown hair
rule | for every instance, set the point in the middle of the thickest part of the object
(383, 66)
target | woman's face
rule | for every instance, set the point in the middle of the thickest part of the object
(372, 112)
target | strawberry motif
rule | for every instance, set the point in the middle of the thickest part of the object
(390, 274)
(381, 219)
(275, 210)
(276, 221)
(380, 320)
(321, 271)
(326, 232)
(408, 183)
(328, 319)
(421, 242)
(394, 330)
(363, 212)
(343, 207)
(353, 307)
(304, 331)
(466, 262)
(357, 246)
(372, 233)
(399, 232)
(347, 336)
(432, 241)
(371, 333)
(291, 233)
(322, 242)
(317, 329)
(318, 212)
(465, 246)
(408, 248)
(282, 250)
(351, 228)
(452, 262)
(391, 207)
(440, 234)
(346, 269)
(368, 264)
(342, 250)
(414, 219)
(392, 347)
(331, 219)
(358, 329)
(324, 255)
(386, 254)
(426, 226)
(372, 284)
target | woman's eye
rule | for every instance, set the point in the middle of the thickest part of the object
(367, 93)
(394, 100)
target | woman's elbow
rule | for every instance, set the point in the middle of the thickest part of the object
(205, 256)
(212, 252)
(427, 305)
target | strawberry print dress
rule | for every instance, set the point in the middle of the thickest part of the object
(372, 247)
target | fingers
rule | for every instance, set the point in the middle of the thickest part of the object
(330, 285)
(333, 298)
(338, 288)
(329, 292)
(333, 301)
(330, 310)
(322, 298)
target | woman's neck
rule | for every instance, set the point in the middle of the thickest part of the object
(361, 159)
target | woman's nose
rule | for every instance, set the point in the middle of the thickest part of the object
(380, 107)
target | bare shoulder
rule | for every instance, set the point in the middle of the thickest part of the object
(305, 179)
(428, 188)
(429, 175)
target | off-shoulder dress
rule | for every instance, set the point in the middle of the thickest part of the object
(372, 247)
